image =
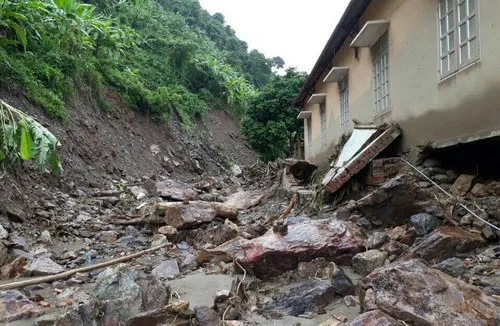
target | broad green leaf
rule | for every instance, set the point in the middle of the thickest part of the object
(26, 148)
(20, 32)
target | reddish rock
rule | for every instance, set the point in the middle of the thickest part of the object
(14, 305)
(462, 185)
(419, 295)
(175, 190)
(381, 170)
(245, 199)
(394, 202)
(272, 254)
(446, 242)
(480, 190)
(14, 268)
(375, 318)
(403, 234)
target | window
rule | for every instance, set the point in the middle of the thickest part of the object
(457, 51)
(322, 115)
(380, 55)
(344, 104)
(309, 134)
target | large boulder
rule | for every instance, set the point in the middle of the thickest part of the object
(124, 293)
(43, 266)
(375, 318)
(245, 199)
(419, 295)
(14, 305)
(182, 215)
(306, 297)
(445, 242)
(175, 190)
(273, 254)
(393, 202)
(168, 269)
(365, 262)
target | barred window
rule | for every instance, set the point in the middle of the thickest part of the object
(457, 51)
(380, 56)
(322, 114)
(344, 104)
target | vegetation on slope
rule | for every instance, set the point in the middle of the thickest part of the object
(162, 57)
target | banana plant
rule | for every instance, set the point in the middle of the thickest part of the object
(23, 138)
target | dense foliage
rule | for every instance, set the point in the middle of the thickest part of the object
(162, 57)
(270, 124)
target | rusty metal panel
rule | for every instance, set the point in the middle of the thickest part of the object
(338, 176)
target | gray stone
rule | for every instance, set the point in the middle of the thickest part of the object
(236, 171)
(452, 266)
(207, 316)
(441, 178)
(376, 239)
(420, 295)
(462, 185)
(3, 233)
(107, 236)
(124, 293)
(245, 199)
(424, 223)
(350, 301)
(431, 163)
(313, 268)
(18, 242)
(365, 262)
(167, 230)
(158, 240)
(341, 283)
(480, 190)
(43, 266)
(375, 318)
(307, 297)
(14, 306)
(4, 255)
(167, 269)
(130, 230)
(46, 238)
(175, 190)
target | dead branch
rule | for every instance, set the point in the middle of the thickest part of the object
(290, 206)
(51, 278)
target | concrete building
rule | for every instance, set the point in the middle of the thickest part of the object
(432, 66)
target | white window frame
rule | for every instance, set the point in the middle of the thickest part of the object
(458, 35)
(344, 103)
(381, 87)
(323, 122)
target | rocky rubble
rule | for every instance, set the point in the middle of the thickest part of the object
(316, 267)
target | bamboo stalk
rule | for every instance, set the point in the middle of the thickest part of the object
(51, 278)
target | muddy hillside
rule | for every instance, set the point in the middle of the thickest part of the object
(151, 225)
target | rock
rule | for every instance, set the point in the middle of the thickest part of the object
(107, 236)
(442, 178)
(480, 190)
(394, 201)
(431, 163)
(341, 283)
(158, 240)
(207, 316)
(302, 170)
(186, 215)
(175, 190)
(271, 254)
(3, 233)
(137, 192)
(452, 266)
(381, 170)
(307, 297)
(124, 293)
(445, 242)
(489, 233)
(467, 219)
(167, 230)
(14, 268)
(313, 268)
(416, 294)
(365, 262)
(15, 214)
(375, 318)
(150, 317)
(4, 254)
(185, 255)
(350, 301)
(178, 306)
(212, 235)
(130, 230)
(236, 171)
(18, 242)
(14, 306)
(462, 185)
(424, 223)
(376, 239)
(244, 200)
(43, 266)
(167, 269)
(402, 234)
(46, 238)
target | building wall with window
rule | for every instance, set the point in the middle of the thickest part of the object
(431, 104)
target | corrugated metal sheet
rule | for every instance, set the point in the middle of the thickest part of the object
(356, 154)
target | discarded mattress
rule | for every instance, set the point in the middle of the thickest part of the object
(365, 143)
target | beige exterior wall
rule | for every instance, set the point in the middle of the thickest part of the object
(428, 109)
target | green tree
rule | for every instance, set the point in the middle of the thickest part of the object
(271, 119)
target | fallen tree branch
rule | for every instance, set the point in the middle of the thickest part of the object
(289, 208)
(51, 278)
